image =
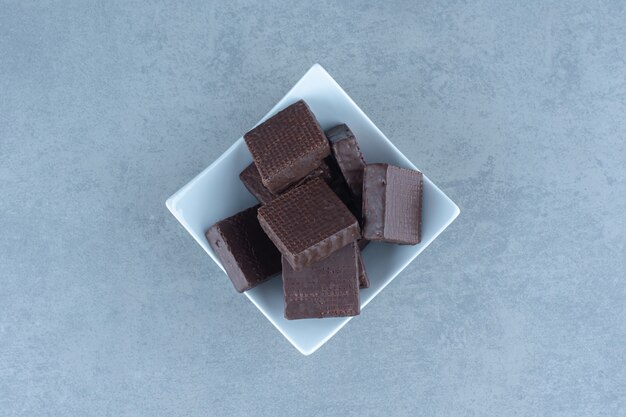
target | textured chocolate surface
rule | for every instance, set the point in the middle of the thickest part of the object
(308, 223)
(251, 179)
(364, 281)
(287, 146)
(328, 288)
(392, 204)
(346, 151)
(247, 254)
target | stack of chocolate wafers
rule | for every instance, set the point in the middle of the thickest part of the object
(320, 205)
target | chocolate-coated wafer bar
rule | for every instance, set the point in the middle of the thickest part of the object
(328, 288)
(251, 179)
(287, 146)
(392, 204)
(308, 223)
(346, 151)
(247, 254)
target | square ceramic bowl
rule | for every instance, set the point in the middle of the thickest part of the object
(217, 193)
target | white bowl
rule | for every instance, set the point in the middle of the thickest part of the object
(217, 193)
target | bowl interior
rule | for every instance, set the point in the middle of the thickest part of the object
(217, 193)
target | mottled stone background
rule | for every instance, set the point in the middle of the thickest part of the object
(517, 110)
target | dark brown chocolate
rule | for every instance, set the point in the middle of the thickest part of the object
(346, 151)
(247, 254)
(392, 204)
(308, 223)
(328, 288)
(287, 146)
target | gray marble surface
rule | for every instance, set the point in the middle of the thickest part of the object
(517, 110)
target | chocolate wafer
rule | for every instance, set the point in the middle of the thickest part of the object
(287, 146)
(247, 254)
(308, 223)
(328, 288)
(392, 204)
